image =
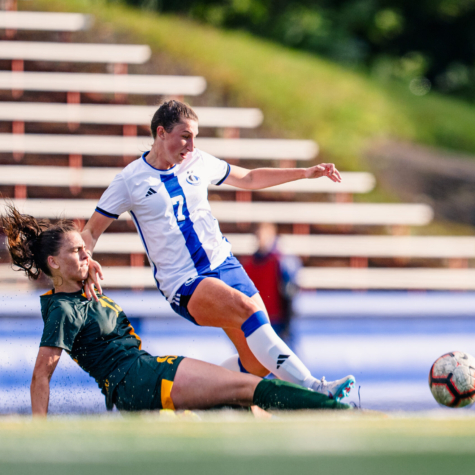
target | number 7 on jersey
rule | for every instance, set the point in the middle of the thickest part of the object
(178, 200)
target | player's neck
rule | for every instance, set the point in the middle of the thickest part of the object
(157, 160)
(66, 286)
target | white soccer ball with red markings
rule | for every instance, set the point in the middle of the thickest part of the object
(452, 379)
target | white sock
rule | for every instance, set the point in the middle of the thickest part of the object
(232, 363)
(273, 353)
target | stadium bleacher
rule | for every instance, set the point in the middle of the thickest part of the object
(365, 214)
(102, 83)
(435, 247)
(130, 114)
(93, 177)
(386, 278)
(285, 204)
(264, 149)
(74, 52)
(308, 278)
(440, 247)
(44, 21)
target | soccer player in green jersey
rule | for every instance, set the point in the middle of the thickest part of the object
(99, 337)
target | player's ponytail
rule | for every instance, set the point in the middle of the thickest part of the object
(30, 241)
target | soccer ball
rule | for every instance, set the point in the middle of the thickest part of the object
(452, 379)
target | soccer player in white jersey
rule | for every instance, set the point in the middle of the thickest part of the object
(165, 191)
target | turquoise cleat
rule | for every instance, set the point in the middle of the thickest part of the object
(337, 390)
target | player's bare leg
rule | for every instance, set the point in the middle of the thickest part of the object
(215, 304)
(200, 385)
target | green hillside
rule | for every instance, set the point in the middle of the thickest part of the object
(301, 95)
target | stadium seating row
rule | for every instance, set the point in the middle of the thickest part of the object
(125, 114)
(90, 177)
(435, 247)
(264, 149)
(74, 52)
(102, 83)
(365, 214)
(44, 21)
(308, 278)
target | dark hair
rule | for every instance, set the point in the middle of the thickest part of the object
(169, 114)
(31, 240)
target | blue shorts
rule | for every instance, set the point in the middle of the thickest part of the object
(230, 272)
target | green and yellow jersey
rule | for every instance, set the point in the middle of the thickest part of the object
(97, 335)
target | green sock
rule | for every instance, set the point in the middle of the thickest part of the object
(277, 394)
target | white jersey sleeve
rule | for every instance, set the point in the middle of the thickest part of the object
(216, 169)
(116, 199)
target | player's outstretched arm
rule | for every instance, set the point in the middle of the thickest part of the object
(90, 234)
(266, 177)
(46, 363)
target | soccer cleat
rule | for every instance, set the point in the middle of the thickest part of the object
(335, 389)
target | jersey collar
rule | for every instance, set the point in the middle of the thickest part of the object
(157, 169)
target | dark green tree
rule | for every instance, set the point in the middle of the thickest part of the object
(426, 43)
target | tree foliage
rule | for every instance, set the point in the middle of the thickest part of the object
(426, 43)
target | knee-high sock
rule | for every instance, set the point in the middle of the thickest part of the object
(273, 353)
(234, 364)
(275, 394)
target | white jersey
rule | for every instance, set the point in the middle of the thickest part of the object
(172, 214)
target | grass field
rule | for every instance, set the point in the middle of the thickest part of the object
(233, 442)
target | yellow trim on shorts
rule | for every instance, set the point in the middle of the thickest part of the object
(167, 402)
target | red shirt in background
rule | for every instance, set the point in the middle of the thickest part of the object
(264, 270)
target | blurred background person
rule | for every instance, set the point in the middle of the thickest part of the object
(274, 275)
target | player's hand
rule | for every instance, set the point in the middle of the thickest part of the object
(324, 169)
(95, 273)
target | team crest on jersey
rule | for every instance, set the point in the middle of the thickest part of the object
(193, 179)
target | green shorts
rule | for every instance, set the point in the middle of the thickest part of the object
(148, 384)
